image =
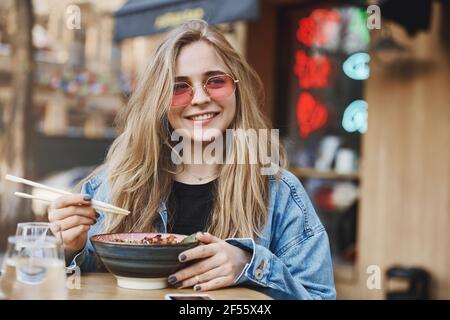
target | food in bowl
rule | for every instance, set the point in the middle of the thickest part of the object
(139, 264)
(158, 239)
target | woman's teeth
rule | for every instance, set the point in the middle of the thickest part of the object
(203, 117)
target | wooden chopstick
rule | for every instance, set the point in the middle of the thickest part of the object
(45, 199)
(96, 203)
(35, 184)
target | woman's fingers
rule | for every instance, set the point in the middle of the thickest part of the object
(63, 213)
(74, 233)
(215, 284)
(211, 257)
(74, 221)
(214, 273)
(206, 237)
(228, 262)
(199, 252)
(197, 268)
(74, 214)
(71, 200)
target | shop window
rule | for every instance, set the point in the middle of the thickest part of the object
(321, 112)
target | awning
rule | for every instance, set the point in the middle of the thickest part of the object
(146, 17)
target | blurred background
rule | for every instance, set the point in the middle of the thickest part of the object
(359, 91)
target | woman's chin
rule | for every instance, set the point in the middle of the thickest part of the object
(204, 134)
(206, 137)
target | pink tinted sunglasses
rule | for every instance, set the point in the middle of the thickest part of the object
(217, 87)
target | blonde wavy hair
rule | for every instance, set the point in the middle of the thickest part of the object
(138, 164)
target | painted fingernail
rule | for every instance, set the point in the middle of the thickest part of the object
(183, 257)
(97, 215)
(87, 198)
(197, 288)
(178, 284)
(172, 279)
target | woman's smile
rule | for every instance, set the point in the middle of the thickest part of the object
(202, 118)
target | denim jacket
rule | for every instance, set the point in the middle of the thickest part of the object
(292, 254)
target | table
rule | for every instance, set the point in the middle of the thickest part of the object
(103, 286)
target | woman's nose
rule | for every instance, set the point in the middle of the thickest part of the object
(200, 96)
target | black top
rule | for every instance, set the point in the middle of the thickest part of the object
(190, 207)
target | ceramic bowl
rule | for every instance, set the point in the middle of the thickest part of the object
(140, 266)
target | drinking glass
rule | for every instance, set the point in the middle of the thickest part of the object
(34, 266)
(36, 231)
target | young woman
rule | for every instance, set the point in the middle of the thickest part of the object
(257, 228)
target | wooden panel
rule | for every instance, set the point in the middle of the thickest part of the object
(261, 49)
(404, 216)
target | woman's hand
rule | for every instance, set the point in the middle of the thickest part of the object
(74, 214)
(220, 264)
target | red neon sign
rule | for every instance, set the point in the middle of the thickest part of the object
(317, 27)
(311, 115)
(312, 71)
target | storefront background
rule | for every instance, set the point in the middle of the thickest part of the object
(388, 208)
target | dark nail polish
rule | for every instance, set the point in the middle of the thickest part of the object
(172, 280)
(178, 284)
(97, 215)
(197, 288)
(87, 198)
(183, 257)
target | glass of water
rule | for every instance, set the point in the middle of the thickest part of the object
(38, 231)
(34, 266)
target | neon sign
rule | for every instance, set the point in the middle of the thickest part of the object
(358, 26)
(311, 115)
(312, 71)
(318, 27)
(356, 66)
(355, 117)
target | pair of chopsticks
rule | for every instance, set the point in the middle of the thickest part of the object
(99, 205)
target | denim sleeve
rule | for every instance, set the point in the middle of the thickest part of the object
(86, 259)
(297, 258)
(311, 278)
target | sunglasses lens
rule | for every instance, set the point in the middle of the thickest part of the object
(182, 94)
(217, 87)
(220, 87)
